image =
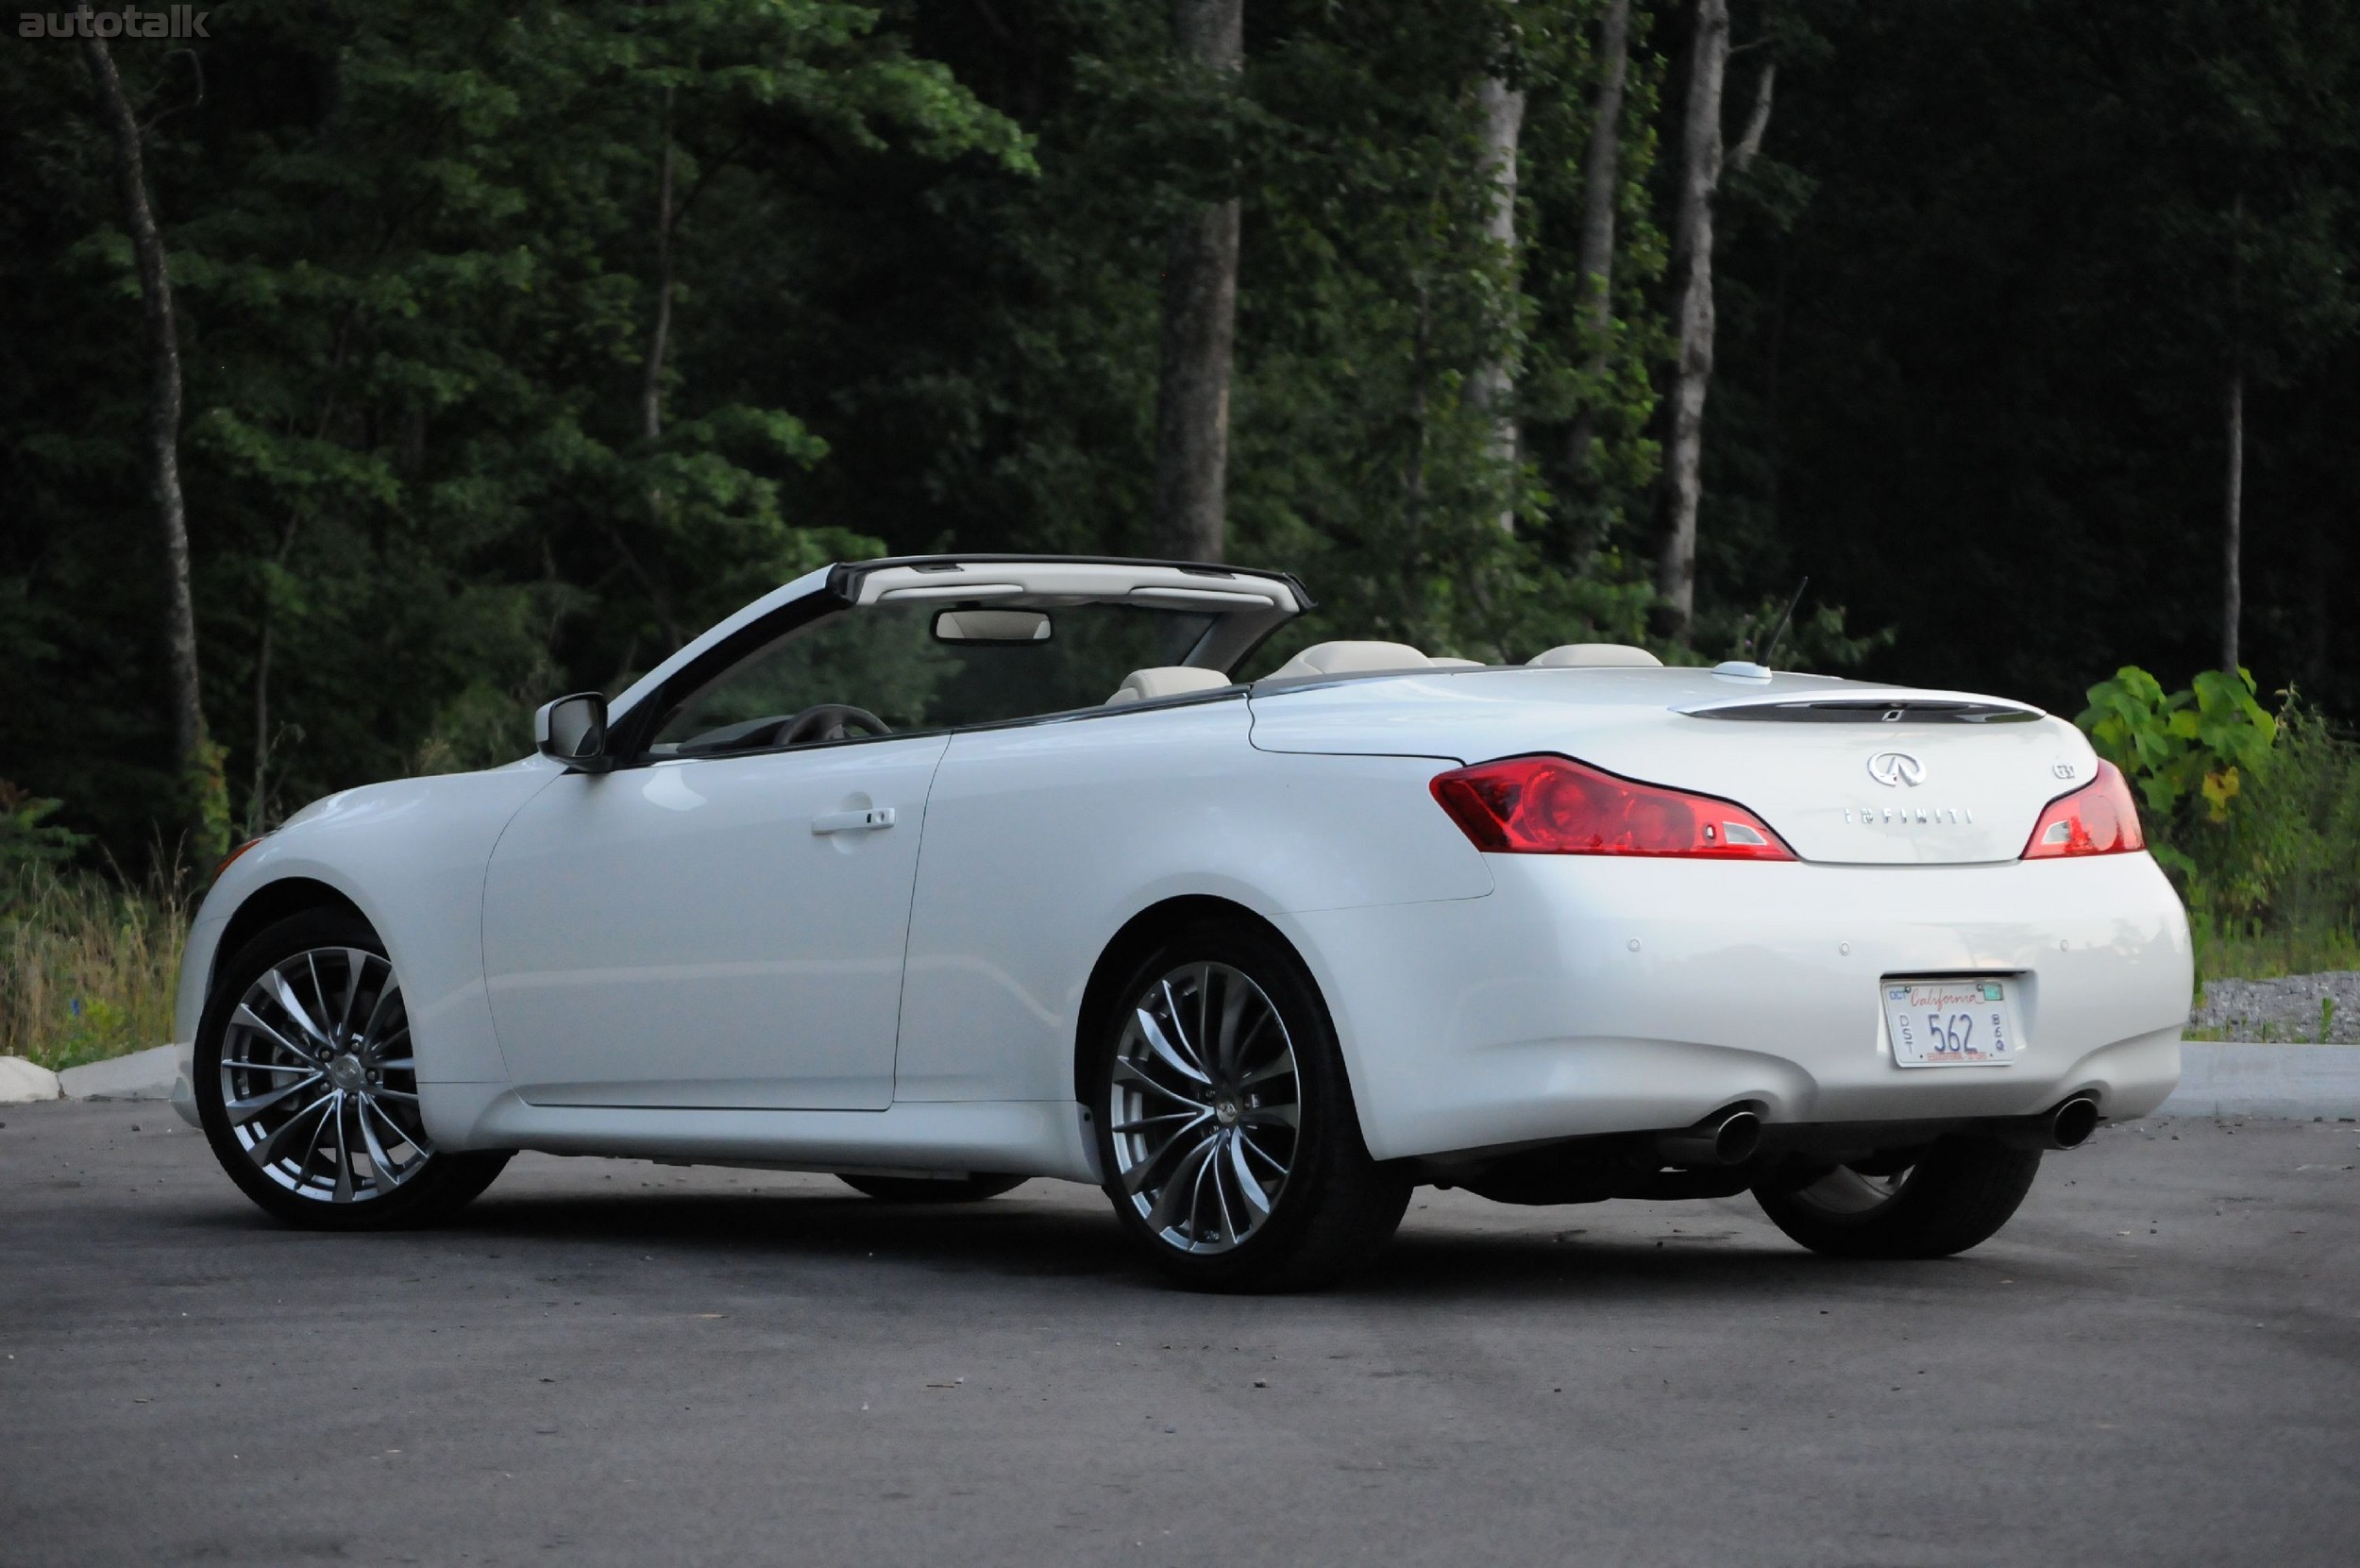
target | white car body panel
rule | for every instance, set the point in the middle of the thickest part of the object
(618, 977)
(666, 961)
(410, 855)
(1044, 840)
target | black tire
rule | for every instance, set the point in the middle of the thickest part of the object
(926, 1190)
(415, 1188)
(1332, 1207)
(1956, 1195)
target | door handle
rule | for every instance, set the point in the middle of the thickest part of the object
(854, 821)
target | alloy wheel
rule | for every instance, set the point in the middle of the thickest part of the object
(319, 1084)
(1205, 1108)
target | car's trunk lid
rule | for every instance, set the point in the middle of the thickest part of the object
(1845, 773)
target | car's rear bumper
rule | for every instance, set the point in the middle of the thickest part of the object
(1598, 995)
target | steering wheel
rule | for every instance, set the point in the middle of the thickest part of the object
(827, 721)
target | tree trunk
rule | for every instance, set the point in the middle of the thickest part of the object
(652, 385)
(1757, 122)
(200, 772)
(1700, 173)
(1200, 326)
(2232, 526)
(1492, 388)
(1600, 187)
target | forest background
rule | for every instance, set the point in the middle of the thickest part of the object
(510, 343)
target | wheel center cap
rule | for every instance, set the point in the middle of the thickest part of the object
(347, 1072)
(1227, 1113)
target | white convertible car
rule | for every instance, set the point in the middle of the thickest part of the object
(940, 873)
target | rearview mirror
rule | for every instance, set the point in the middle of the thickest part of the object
(572, 730)
(991, 625)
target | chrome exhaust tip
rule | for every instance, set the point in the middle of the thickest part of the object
(1724, 1137)
(2071, 1123)
(2068, 1126)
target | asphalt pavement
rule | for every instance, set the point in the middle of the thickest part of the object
(616, 1362)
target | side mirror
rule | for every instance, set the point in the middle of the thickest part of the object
(572, 730)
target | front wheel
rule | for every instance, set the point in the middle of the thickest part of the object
(308, 1089)
(1954, 1194)
(1225, 1126)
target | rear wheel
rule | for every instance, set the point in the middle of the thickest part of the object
(307, 1087)
(1955, 1194)
(931, 1189)
(1225, 1126)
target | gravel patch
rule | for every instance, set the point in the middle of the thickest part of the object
(2314, 1007)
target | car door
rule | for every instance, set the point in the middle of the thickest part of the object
(710, 931)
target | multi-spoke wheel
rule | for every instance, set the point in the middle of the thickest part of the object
(308, 1088)
(1953, 1194)
(1200, 1100)
(1226, 1128)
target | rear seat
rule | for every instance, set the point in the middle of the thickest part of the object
(1351, 658)
(1146, 686)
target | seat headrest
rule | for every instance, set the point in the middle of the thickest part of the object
(1146, 686)
(1594, 656)
(1351, 658)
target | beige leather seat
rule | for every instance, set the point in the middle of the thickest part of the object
(1146, 686)
(1594, 656)
(1444, 662)
(1351, 658)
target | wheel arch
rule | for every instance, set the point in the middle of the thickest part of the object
(1135, 941)
(269, 903)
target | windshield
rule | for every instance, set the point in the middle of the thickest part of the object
(920, 666)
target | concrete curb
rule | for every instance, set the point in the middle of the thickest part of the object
(24, 1083)
(2293, 1081)
(142, 1075)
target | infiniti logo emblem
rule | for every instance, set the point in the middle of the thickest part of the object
(1893, 769)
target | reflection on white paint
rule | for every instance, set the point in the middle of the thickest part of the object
(669, 787)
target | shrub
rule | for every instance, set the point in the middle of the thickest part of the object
(2255, 814)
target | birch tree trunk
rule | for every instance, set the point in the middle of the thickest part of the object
(1492, 388)
(1200, 326)
(199, 766)
(2232, 526)
(1601, 180)
(1756, 122)
(1700, 173)
(652, 385)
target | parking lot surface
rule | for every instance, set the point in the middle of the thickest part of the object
(614, 1362)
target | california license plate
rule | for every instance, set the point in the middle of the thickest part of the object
(1963, 1021)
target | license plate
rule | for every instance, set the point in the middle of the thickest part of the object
(1963, 1021)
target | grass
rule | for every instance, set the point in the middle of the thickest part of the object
(86, 966)
(2270, 954)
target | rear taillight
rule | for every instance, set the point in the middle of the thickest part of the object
(2098, 818)
(1550, 805)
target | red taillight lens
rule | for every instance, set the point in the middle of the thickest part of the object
(2098, 818)
(1549, 805)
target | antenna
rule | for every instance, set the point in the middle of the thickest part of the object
(1780, 630)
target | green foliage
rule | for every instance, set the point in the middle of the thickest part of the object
(2202, 743)
(2257, 814)
(1978, 296)
(28, 840)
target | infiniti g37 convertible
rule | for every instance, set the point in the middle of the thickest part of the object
(940, 873)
